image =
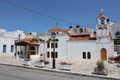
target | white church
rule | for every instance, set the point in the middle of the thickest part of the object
(74, 43)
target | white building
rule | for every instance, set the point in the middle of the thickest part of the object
(75, 43)
(115, 32)
(7, 40)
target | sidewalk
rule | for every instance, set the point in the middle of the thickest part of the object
(17, 63)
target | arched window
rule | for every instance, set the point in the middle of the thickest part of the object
(56, 45)
(56, 54)
(102, 20)
(89, 55)
(4, 48)
(84, 55)
(48, 55)
(51, 54)
(48, 45)
(52, 45)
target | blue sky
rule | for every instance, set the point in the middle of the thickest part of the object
(83, 12)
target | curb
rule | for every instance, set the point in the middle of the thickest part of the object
(66, 72)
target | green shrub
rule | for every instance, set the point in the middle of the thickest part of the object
(100, 65)
(111, 58)
(46, 62)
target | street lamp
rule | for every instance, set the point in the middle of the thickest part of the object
(53, 36)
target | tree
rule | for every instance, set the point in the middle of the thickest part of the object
(43, 42)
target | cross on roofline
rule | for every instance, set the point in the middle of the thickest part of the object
(101, 10)
(56, 24)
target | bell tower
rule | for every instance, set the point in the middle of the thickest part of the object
(102, 28)
(102, 19)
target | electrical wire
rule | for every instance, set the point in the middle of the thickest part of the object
(29, 10)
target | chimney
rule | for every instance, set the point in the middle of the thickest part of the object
(71, 29)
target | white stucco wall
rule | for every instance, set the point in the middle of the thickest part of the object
(114, 28)
(8, 42)
(76, 48)
(62, 46)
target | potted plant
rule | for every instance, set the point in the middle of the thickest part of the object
(65, 66)
(40, 63)
(46, 62)
(26, 62)
(100, 69)
(111, 60)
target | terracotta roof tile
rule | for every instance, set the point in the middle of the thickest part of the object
(83, 34)
(81, 38)
(56, 29)
(78, 38)
(27, 40)
(32, 43)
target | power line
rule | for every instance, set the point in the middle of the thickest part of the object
(18, 6)
(29, 10)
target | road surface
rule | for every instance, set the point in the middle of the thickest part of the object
(16, 73)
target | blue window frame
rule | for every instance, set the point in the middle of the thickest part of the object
(12, 48)
(4, 48)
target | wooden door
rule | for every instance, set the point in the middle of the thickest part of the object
(103, 54)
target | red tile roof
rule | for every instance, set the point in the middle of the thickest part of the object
(56, 29)
(81, 38)
(78, 38)
(83, 34)
(27, 40)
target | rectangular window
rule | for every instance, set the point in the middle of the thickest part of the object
(12, 48)
(81, 30)
(4, 48)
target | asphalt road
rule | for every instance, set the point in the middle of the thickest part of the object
(15, 73)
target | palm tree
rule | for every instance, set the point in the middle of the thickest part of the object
(44, 42)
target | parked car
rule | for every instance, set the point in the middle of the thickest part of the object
(117, 59)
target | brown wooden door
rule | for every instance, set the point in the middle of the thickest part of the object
(103, 54)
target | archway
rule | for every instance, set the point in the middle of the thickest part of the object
(103, 54)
